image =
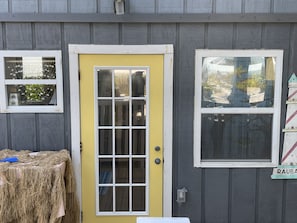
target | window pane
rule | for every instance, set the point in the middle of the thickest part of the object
(139, 83)
(138, 195)
(230, 136)
(122, 198)
(105, 142)
(121, 79)
(121, 112)
(30, 68)
(122, 141)
(105, 112)
(122, 170)
(138, 141)
(104, 83)
(31, 94)
(105, 198)
(139, 112)
(105, 171)
(138, 168)
(238, 81)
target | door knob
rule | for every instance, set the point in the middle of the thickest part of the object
(157, 161)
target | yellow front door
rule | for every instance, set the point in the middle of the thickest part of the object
(122, 137)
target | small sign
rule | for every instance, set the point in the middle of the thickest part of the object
(284, 172)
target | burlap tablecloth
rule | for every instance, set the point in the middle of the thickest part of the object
(39, 188)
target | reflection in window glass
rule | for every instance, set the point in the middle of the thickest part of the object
(121, 79)
(30, 68)
(31, 94)
(139, 83)
(238, 81)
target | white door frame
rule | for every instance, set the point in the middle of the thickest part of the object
(167, 52)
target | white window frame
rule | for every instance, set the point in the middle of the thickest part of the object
(275, 110)
(4, 106)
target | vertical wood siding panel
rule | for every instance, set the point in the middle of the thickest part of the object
(1, 36)
(270, 198)
(243, 195)
(134, 34)
(220, 36)
(51, 131)
(276, 36)
(76, 33)
(290, 202)
(257, 6)
(163, 33)
(202, 6)
(4, 6)
(285, 6)
(248, 36)
(216, 195)
(54, 6)
(3, 132)
(228, 6)
(191, 37)
(24, 6)
(142, 6)
(293, 51)
(105, 33)
(18, 36)
(85, 6)
(48, 35)
(23, 131)
(170, 6)
(106, 6)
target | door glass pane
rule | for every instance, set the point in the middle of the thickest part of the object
(122, 198)
(104, 83)
(105, 198)
(121, 79)
(138, 165)
(122, 170)
(121, 112)
(122, 141)
(138, 140)
(139, 83)
(238, 81)
(138, 194)
(105, 112)
(139, 112)
(105, 171)
(105, 141)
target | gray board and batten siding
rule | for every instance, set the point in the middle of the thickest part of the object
(214, 195)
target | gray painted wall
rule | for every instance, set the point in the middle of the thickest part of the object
(149, 6)
(214, 195)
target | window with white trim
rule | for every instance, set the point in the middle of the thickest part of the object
(237, 108)
(31, 81)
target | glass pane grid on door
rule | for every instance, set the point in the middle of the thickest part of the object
(122, 147)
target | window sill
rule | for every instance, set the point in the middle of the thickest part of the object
(236, 164)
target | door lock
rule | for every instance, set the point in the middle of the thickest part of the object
(157, 161)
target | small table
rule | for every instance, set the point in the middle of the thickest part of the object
(39, 187)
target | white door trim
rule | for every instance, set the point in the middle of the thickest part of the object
(167, 52)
